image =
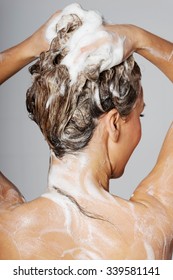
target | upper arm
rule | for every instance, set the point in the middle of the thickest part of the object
(158, 185)
(9, 193)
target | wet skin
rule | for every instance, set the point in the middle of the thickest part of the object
(53, 227)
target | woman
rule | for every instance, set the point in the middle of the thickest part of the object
(78, 218)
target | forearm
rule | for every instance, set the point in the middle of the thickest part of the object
(14, 59)
(157, 50)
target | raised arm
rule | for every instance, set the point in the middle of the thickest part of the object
(158, 51)
(155, 49)
(11, 61)
(14, 59)
(157, 187)
(9, 193)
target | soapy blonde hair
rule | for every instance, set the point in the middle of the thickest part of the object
(67, 113)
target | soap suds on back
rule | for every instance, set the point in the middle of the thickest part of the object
(149, 251)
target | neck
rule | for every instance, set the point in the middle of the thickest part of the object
(79, 174)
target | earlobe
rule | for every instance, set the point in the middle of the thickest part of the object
(113, 124)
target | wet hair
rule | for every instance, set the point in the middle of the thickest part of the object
(67, 113)
(81, 209)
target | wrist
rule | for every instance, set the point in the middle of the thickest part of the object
(27, 51)
(134, 35)
(130, 34)
(34, 45)
(32, 48)
(141, 37)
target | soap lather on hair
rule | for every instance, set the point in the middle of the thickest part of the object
(71, 90)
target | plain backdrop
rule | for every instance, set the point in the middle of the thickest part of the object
(24, 155)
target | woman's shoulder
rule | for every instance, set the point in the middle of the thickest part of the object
(9, 193)
(25, 227)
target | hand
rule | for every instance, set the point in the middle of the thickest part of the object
(41, 39)
(152, 47)
(129, 34)
(106, 47)
(15, 58)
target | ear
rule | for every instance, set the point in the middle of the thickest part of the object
(113, 124)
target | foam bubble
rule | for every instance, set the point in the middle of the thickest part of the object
(80, 58)
(149, 251)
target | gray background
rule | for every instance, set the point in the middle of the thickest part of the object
(24, 155)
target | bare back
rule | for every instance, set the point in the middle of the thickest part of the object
(98, 226)
(112, 229)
